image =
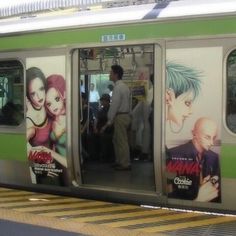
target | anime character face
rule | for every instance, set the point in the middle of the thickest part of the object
(183, 85)
(204, 134)
(37, 92)
(54, 102)
(179, 108)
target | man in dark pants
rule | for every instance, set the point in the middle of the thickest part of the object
(104, 139)
(119, 115)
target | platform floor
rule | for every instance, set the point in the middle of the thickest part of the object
(77, 216)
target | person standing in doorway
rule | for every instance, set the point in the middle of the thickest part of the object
(94, 99)
(119, 114)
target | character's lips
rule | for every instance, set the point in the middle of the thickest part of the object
(40, 101)
(55, 110)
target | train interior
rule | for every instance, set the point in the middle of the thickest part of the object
(11, 90)
(97, 155)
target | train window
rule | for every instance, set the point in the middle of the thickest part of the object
(11, 93)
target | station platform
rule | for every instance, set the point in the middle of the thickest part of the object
(29, 213)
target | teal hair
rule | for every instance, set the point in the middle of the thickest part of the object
(182, 79)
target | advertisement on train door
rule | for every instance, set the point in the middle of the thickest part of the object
(140, 84)
(193, 120)
(46, 120)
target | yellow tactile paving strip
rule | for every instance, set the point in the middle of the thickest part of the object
(97, 217)
(152, 219)
(218, 220)
(67, 225)
(120, 215)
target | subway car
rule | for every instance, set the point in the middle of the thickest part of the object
(179, 62)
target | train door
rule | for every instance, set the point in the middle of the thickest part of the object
(93, 89)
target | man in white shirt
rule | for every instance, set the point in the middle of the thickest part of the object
(94, 99)
(82, 88)
(119, 114)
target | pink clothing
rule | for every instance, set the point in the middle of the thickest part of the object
(42, 134)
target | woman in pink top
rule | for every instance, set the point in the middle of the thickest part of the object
(38, 124)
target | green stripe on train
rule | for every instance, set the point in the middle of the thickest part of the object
(13, 147)
(228, 161)
(141, 31)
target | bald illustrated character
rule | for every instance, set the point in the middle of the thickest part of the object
(193, 169)
(204, 134)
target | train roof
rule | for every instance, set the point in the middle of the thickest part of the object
(116, 15)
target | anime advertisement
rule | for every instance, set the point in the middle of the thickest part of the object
(193, 120)
(138, 88)
(140, 85)
(46, 120)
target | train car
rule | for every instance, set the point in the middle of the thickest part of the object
(179, 61)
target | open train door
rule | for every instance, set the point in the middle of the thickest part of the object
(93, 152)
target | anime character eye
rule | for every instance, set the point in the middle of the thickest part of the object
(57, 99)
(32, 94)
(42, 88)
(188, 103)
(207, 137)
(48, 104)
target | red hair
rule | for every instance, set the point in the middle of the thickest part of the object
(57, 82)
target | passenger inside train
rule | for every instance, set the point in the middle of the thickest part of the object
(100, 163)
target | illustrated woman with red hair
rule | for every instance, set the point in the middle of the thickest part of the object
(56, 108)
